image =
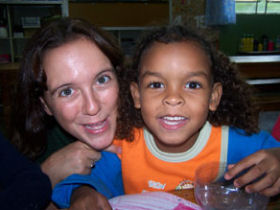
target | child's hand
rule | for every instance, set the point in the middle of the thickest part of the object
(265, 167)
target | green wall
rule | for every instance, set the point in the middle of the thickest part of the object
(248, 24)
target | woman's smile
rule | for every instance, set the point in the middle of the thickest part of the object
(97, 128)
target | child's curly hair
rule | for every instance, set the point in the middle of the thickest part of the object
(236, 107)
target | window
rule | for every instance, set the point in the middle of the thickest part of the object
(257, 6)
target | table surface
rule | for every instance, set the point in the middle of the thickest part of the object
(186, 194)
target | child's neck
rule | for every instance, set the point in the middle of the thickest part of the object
(178, 148)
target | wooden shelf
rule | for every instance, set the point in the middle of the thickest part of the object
(31, 2)
(263, 72)
(31, 6)
(9, 67)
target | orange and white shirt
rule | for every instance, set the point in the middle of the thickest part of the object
(146, 168)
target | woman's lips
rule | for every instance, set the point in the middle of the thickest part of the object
(96, 128)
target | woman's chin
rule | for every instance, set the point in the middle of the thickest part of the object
(100, 143)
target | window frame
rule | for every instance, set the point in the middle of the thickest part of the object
(263, 4)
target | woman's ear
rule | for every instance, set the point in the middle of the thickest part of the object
(135, 92)
(216, 95)
(46, 107)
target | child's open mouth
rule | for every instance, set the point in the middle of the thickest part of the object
(173, 122)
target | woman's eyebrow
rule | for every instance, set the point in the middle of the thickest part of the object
(111, 70)
(53, 91)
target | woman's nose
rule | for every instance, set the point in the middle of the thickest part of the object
(91, 104)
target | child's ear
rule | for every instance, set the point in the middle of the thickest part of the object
(135, 92)
(216, 95)
(46, 107)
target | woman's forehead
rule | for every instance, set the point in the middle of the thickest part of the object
(75, 60)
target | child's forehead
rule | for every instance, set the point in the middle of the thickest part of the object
(182, 49)
(179, 58)
(183, 44)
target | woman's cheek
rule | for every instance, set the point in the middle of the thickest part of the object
(68, 111)
(110, 95)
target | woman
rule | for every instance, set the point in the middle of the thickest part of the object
(69, 76)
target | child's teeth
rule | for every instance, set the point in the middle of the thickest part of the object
(173, 118)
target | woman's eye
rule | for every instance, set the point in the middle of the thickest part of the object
(103, 79)
(193, 85)
(66, 92)
(156, 85)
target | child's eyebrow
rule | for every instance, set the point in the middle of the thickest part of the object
(150, 73)
(189, 74)
(200, 73)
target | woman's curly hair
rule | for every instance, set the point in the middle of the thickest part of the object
(236, 107)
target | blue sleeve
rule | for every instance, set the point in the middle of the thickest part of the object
(241, 145)
(105, 177)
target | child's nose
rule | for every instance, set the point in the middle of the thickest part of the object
(173, 98)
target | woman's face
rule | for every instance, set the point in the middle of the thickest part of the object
(82, 92)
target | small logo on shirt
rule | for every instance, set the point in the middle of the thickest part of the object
(156, 185)
(185, 184)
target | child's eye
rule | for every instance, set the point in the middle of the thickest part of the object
(103, 79)
(155, 85)
(193, 85)
(66, 92)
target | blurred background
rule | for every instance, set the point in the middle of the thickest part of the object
(247, 31)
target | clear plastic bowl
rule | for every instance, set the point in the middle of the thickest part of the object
(212, 191)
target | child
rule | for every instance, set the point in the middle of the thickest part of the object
(191, 108)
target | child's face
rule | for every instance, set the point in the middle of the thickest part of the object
(175, 93)
(82, 92)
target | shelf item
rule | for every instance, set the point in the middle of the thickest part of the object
(4, 58)
(3, 32)
(22, 18)
(30, 22)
